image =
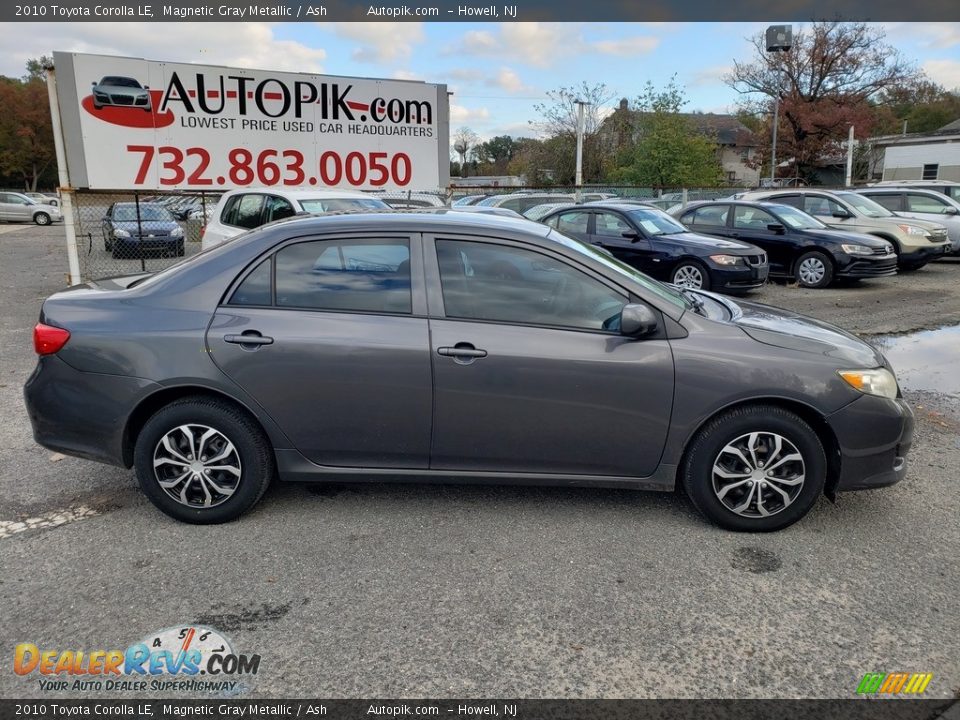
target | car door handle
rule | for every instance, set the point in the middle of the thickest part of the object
(249, 337)
(462, 351)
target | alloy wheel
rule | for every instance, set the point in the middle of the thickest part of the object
(758, 474)
(197, 465)
(688, 276)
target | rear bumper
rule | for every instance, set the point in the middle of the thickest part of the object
(874, 435)
(81, 414)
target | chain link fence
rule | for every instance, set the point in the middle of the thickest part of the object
(126, 233)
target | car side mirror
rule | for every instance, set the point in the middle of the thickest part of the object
(146, 87)
(951, 211)
(93, 84)
(841, 214)
(631, 235)
(777, 228)
(637, 320)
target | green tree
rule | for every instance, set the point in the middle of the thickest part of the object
(27, 155)
(669, 151)
(495, 154)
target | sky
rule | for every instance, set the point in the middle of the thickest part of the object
(498, 72)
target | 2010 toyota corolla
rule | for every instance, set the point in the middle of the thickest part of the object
(447, 347)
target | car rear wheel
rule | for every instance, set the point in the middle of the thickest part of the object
(757, 468)
(814, 270)
(691, 275)
(203, 461)
(41, 218)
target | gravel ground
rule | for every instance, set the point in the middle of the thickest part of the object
(418, 591)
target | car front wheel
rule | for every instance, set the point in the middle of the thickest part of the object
(41, 218)
(690, 275)
(757, 468)
(203, 461)
(814, 270)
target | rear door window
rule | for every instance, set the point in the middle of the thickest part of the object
(243, 211)
(926, 204)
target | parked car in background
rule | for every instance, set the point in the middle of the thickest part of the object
(916, 242)
(502, 212)
(797, 245)
(456, 347)
(17, 207)
(651, 241)
(121, 92)
(132, 230)
(468, 200)
(945, 187)
(922, 204)
(519, 202)
(538, 211)
(248, 208)
(44, 198)
(410, 201)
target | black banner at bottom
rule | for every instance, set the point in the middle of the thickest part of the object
(855, 709)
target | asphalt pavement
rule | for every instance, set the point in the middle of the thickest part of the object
(457, 591)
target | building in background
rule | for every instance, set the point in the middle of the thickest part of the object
(921, 156)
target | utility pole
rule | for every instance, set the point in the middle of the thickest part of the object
(850, 157)
(779, 39)
(578, 194)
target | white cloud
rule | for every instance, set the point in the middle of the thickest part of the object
(928, 35)
(945, 72)
(380, 42)
(508, 80)
(460, 115)
(710, 75)
(405, 75)
(251, 45)
(543, 44)
(627, 47)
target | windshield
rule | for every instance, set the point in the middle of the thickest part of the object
(664, 291)
(120, 82)
(797, 219)
(864, 205)
(128, 213)
(656, 222)
(333, 204)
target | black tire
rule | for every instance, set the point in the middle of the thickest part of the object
(697, 476)
(814, 269)
(41, 218)
(691, 267)
(251, 447)
(180, 249)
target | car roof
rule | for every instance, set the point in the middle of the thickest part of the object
(617, 205)
(301, 194)
(435, 218)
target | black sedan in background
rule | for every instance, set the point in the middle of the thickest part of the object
(651, 241)
(131, 231)
(799, 246)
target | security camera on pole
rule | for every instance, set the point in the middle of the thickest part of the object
(779, 39)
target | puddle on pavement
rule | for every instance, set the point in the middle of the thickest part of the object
(926, 360)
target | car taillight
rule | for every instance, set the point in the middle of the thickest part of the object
(48, 340)
(203, 229)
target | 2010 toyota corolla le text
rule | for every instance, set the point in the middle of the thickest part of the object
(437, 346)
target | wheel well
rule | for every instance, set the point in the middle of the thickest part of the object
(831, 447)
(152, 403)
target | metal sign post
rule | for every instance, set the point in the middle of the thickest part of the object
(63, 175)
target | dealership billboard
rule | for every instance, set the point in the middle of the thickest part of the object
(130, 123)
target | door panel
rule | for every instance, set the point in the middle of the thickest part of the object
(570, 399)
(750, 225)
(348, 389)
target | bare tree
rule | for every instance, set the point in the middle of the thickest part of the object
(559, 115)
(464, 140)
(824, 83)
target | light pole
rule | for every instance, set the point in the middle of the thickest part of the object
(578, 193)
(779, 39)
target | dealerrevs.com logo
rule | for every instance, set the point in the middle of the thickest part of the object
(191, 658)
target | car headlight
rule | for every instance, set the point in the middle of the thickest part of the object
(725, 259)
(856, 249)
(913, 230)
(878, 381)
(177, 232)
(120, 232)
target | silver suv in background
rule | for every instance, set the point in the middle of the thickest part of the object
(914, 202)
(917, 242)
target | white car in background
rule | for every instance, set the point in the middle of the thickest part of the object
(245, 209)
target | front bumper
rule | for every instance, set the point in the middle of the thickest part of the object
(867, 266)
(874, 435)
(737, 278)
(925, 253)
(135, 247)
(81, 414)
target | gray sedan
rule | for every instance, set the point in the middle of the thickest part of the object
(458, 348)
